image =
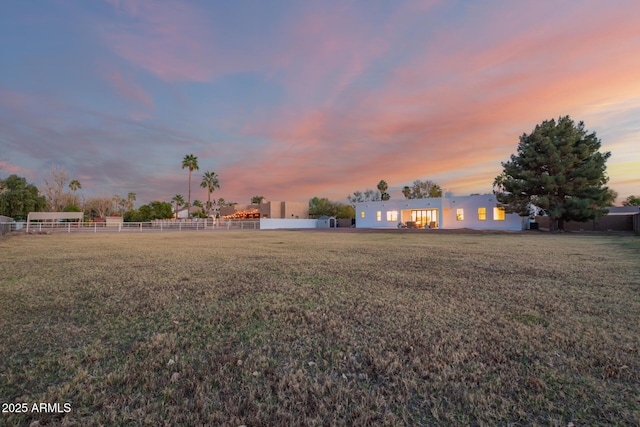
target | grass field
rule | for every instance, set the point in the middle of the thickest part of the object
(321, 328)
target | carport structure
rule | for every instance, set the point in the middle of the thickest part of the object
(52, 216)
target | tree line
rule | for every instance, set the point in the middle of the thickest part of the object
(60, 194)
(558, 169)
(419, 189)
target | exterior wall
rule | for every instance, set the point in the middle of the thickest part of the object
(605, 223)
(470, 206)
(446, 213)
(295, 210)
(272, 210)
(402, 207)
(276, 223)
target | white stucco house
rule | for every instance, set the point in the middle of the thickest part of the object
(475, 212)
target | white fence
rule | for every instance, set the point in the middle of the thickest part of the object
(98, 227)
(163, 225)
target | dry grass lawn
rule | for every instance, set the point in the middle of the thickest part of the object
(276, 328)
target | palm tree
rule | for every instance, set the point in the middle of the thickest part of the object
(190, 161)
(382, 187)
(75, 185)
(179, 201)
(210, 182)
(220, 202)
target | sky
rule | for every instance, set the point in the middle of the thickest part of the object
(295, 99)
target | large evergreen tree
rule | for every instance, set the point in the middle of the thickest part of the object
(558, 168)
(18, 198)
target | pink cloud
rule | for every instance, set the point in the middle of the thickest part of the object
(128, 89)
(399, 97)
(323, 50)
(10, 169)
(455, 108)
(169, 39)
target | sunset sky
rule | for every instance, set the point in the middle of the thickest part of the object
(295, 99)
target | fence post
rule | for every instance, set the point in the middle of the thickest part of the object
(119, 227)
(68, 227)
(95, 227)
(141, 227)
(161, 225)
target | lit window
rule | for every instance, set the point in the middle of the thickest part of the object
(428, 217)
(460, 214)
(378, 215)
(392, 215)
(362, 214)
(498, 214)
(482, 214)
